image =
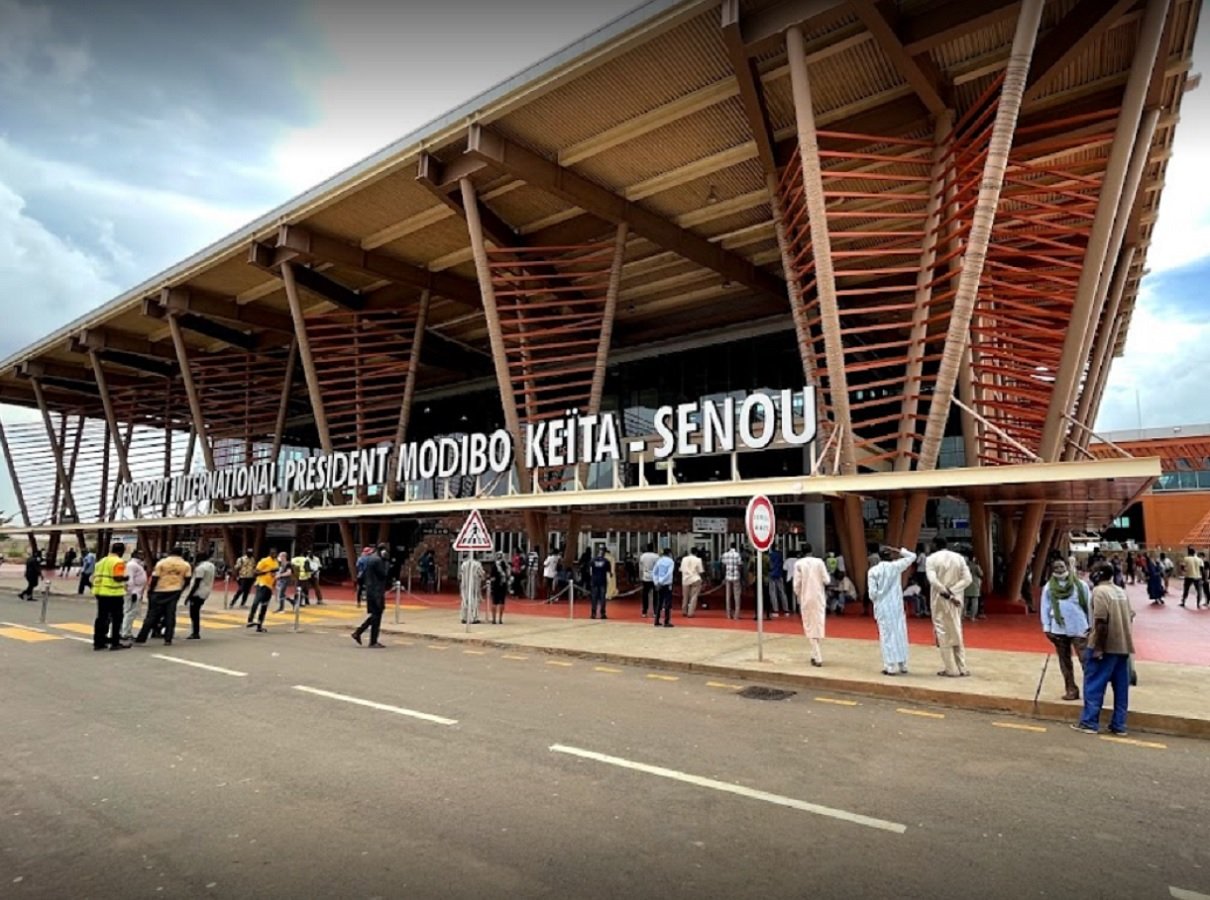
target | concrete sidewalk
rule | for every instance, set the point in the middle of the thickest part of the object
(1169, 698)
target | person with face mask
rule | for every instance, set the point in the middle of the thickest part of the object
(374, 579)
(1065, 608)
(884, 583)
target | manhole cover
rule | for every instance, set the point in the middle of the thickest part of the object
(756, 692)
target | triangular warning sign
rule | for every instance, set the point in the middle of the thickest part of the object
(473, 535)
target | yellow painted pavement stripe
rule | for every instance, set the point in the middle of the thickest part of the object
(1020, 726)
(836, 702)
(412, 606)
(607, 670)
(724, 685)
(559, 662)
(218, 626)
(920, 712)
(75, 627)
(437, 646)
(513, 656)
(653, 675)
(475, 652)
(1153, 745)
(28, 637)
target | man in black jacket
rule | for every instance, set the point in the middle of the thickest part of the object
(33, 574)
(374, 579)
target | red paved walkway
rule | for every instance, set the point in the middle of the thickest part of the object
(1162, 633)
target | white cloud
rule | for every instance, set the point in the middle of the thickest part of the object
(1162, 373)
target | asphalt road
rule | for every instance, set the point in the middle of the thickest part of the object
(526, 775)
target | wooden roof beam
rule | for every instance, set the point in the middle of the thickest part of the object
(312, 245)
(109, 340)
(223, 309)
(922, 33)
(591, 197)
(765, 31)
(750, 94)
(1073, 34)
(918, 69)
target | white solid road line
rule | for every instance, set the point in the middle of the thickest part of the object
(776, 799)
(1181, 894)
(198, 665)
(398, 710)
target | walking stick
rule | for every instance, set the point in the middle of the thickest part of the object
(1042, 678)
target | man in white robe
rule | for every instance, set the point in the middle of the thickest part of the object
(470, 577)
(948, 576)
(810, 587)
(885, 584)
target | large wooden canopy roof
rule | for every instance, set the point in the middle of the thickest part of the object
(647, 121)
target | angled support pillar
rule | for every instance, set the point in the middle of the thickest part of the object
(512, 421)
(981, 541)
(1090, 290)
(409, 387)
(924, 278)
(958, 333)
(821, 245)
(597, 388)
(57, 451)
(12, 474)
(199, 422)
(314, 392)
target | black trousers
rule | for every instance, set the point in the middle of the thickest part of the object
(31, 585)
(195, 613)
(375, 606)
(651, 594)
(663, 603)
(85, 581)
(108, 625)
(263, 596)
(161, 613)
(244, 592)
(1196, 584)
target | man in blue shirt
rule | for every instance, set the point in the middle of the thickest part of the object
(661, 577)
(87, 566)
(599, 572)
(777, 584)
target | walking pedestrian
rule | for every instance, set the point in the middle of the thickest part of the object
(375, 578)
(366, 552)
(533, 566)
(316, 565)
(470, 585)
(301, 565)
(203, 585)
(885, 585)
(948, 576)
(600, 570)
(647, 562)
(245, 576)
(266, 570)
(811, 578)
(87, 566)
(1191, 569)
(1166, 566)
(1065, 609)
(69, 560)
(498, 586)
(109, 589)
(168, 579)
(33, 574)
(662, 572)
(136, 584)
(777, 585)
(1107, 659)
(285, 573)
(1155, 581)
(691, 583)
(732, 585)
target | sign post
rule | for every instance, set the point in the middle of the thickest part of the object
(761, 525)
(473, 537)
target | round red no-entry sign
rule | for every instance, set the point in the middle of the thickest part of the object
(760, 522)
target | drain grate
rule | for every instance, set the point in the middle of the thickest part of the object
(756, 692)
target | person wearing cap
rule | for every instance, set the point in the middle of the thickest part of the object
(1107, 659)
(136, 584)
(374, 579)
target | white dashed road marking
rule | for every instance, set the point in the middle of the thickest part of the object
(383, 707)
(198, 665)
(739, 790)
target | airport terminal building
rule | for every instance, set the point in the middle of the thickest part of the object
(873, 260)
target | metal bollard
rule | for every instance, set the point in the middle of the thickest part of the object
(409, 578)
(226, 588)
(297, 610)
(571, 600)
(45, 600)
(397, 589)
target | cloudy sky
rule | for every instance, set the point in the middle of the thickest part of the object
(133, 138)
